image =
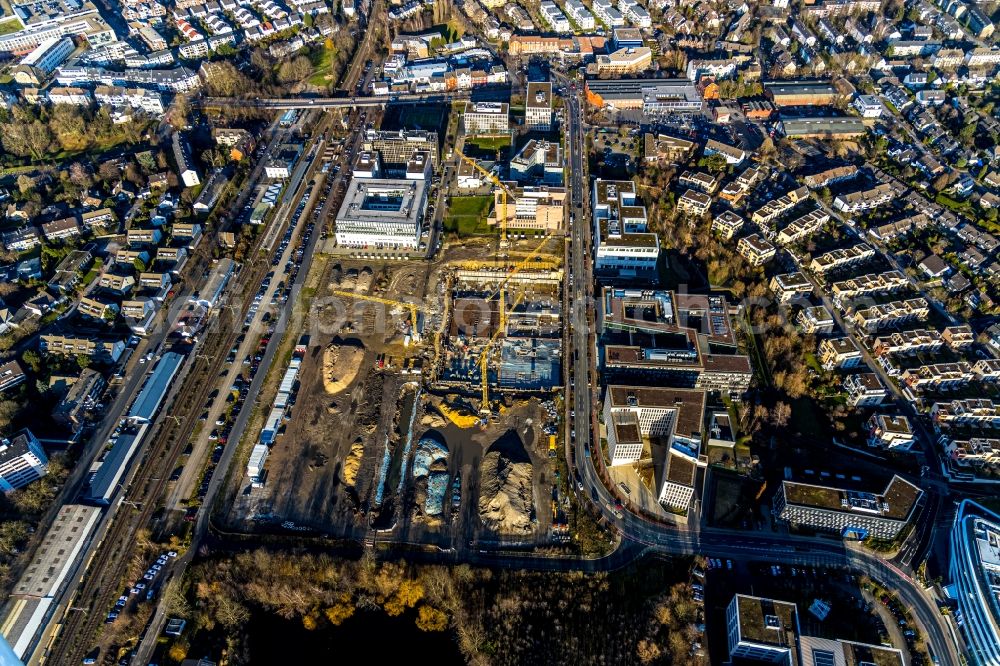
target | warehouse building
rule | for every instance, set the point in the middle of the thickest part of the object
(801, 93)
(653, 96)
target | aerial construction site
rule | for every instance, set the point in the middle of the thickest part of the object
(431, 419)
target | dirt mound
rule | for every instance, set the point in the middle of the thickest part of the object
(506, 502)
(353, 462)
(341, 362)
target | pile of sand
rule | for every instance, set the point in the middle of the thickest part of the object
(341, 363)
(352, 463)
(506, 504)
(432, 420)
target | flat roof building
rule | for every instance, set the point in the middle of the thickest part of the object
(22, 460)
(625, 246)
(634, 415)
(486, 118)
(974, 570)
(538, 106)
(382, 214)
(144, 408)
(653, 96)
(852, 509)
(800, 93)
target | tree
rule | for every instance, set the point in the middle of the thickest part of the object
(109, 171)
(25, 183)
(8, 412)
(648, 651)
(33, 359)
(83, 361)
(431, 619)
(337, 613)
(27, 139)
(179, 111)
(79, 176)
(224, 80)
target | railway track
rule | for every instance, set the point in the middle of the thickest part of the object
(103, 578)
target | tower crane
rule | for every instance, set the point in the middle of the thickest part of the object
(412, 307)
(504, 193)
(501, 291)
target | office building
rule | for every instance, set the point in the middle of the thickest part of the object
(853, 509)
(532, 207)
(22, 460)
(634, 415)
(628, 60)
(655, 97)
(381, 214)
(538, 106)
(625, 246)
(537, 161)
(974, 570)
(486, 118)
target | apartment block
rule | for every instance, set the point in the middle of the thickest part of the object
(803, 227)
(694, 203)
(987, 370)
(755, 249)
(82, 396)
(871, 284)
(815, 320)
(727, 224)
(772, 210)
(11, 374)
(890, 432)
(788, 287)
(908, 343)
(856, 202)
(972, 452)
(958, 337)
(830, 176)
(96, 349)
(699, 180)
(22, 460)
(839, 354)
(979, 413)
(864, 390)
(857, 511)
(939, 376)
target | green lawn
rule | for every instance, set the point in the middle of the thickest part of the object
(12, 25)
(467, 216)
(490, 143)
(322, 60)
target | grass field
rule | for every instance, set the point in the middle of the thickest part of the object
(321, 59)
(491, 144)
(467, 216)
(9, 26)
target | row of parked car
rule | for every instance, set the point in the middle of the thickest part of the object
(145, 587)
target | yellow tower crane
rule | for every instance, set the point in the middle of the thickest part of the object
(504, 193)
(501, 291)
(412, 307)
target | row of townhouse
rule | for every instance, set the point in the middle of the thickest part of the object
(803, 227)
(830, 176)
(895, 313)
(841, 258)
(950, 376)
(769, 213)
(735, 191)
(871, 284)
(862, 200)
(900, 228)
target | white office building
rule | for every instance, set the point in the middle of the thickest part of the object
(22, 460)
(975, 580)
(382, 214)
(624, 244)
(634, 415)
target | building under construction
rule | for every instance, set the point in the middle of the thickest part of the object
(508, 322)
